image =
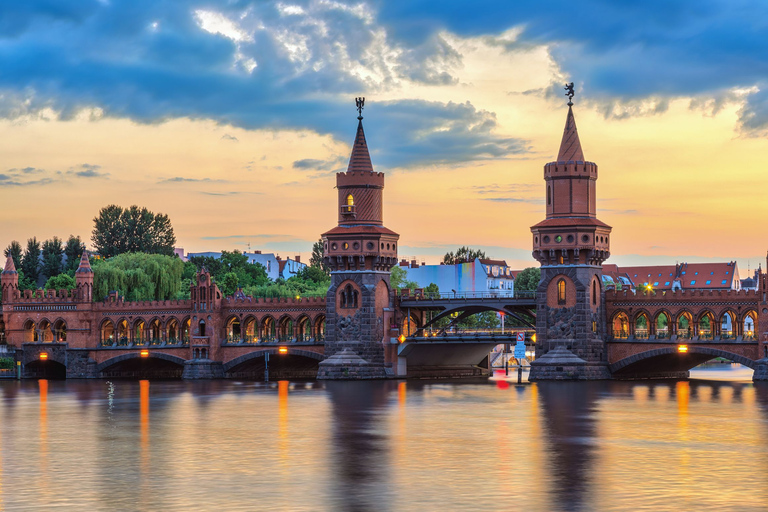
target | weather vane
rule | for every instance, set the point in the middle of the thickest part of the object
(360, 102)
(569, 93)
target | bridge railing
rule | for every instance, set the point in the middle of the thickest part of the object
(419, 294)
(510, 333)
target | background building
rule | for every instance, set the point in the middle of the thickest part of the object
(481, 275)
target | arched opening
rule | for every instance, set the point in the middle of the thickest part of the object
(662, 325)
(107, 333)
(286, 330)
(303, 329)
(642, 326)
(620, 326)
(3, 341)
(60, 330)
(233, 334)
(201, 328)
(156, 367)
(296, 364)
(48, 369)
(684, 326)
(318, 329)
(749, 326)
(172, 331)
(669, 362)
(561, 291)
(549, 195)
(123, 332)
(268, 330)
(594, 292)
(250, 330)
(728, 325)
(706, 326)
(156, 332)
(139, 332)
(30, 333)
(44, 332)
(348, 297)
(186, 328)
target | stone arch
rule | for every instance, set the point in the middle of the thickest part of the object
(728, 324)
(662, 324)
(561, 292)
(30, 331)
(684, 325)
(140, 331)
(695, 356)
(705, 324)
(250, 329)
(303, 328)
(107, 332)
(268, 329)
(318, 328)
(620, 325)
(45, 331)
(233, 332)
(258, 354)
(348, 295)
(186, 329)
(285, 328)
(60, 330)
(172, 330)
(748, 325)
(642, 324)
(122, 332)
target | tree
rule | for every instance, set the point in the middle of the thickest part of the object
(462, 255)
(30, 262)
(60, 282)
(52, 255)
(398, 279)
(117, 231)
(14, 251)
(528, 280)
(318, 253)
(73, 249)
(138, 276)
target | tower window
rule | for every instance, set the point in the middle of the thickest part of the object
(594, 293)
(561, 291)
(350, 200)
(549, 195)
(349, 205)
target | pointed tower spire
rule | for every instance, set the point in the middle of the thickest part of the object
(570, 147)
(10, 267)
(85, 265)
(360, 159)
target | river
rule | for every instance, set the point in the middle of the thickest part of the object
(696, 445)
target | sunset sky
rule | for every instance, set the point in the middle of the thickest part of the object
(232, 118)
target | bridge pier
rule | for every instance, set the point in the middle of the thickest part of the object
(761, 370)
(562, 364)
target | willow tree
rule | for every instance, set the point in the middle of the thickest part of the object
(138, 276)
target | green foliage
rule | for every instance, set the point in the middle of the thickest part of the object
(73, 249)
(30, 262)
(462, 255)
(398, 279)
(246, 274)
(14, 250)
(316, 260)
(52, 252)
(528, 280)
(138, 276)
(7, 363)
(60, 282)
(484, 320)
(118, 231)
(25, 283)
(432, 289)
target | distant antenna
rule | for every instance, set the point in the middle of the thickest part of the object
(249, 246)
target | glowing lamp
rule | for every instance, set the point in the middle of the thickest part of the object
(533, 337)
(283, 350)
(298, 297)
(683, 349)
(401, 339)
(43, 356)
(144, 353)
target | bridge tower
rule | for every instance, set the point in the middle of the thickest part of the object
(360, 252)
(571, 245)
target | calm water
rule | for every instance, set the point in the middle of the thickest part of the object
(180, 446)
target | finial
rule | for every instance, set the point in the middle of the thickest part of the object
(360, 103)
(569, 92)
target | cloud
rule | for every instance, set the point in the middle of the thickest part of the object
(7, 180)
(227, 136)
(179, 179)
(311, 164)
(229, 193)
(87, 171)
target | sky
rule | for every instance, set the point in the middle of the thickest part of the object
(233, 117)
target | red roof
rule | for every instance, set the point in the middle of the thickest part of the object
(570, 221)
(693, 276)
(360, 159)
(500, 263)
(570, 147)
(359, 229)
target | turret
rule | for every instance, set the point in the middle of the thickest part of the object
(9, 280)
(84, 279)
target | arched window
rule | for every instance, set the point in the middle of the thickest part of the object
(594, 293)
(350, 200)
(549, 195)
(561, 291)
